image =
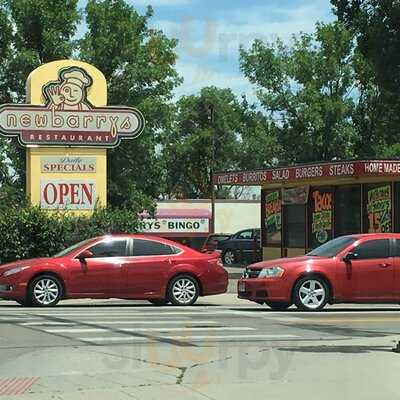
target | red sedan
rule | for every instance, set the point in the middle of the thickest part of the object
(118, 266)
(361, 268)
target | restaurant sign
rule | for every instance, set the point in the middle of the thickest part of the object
(71, 194)
(175, 225)
(335, 170)
(67, 118)
(61, 164)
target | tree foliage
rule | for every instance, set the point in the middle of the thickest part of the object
(307, 89)
(139, 65)
(376, 27)
(138, 62)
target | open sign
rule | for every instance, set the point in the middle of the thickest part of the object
(68, 194)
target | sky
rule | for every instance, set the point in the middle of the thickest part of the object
(211, 31)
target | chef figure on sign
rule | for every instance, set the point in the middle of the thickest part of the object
(70, 91)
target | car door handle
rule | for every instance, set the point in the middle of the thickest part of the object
(384, 265)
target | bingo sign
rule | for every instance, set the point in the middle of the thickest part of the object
(273, 214)
(67, 194)
(321, 217)
(379, 209)
(175, 225)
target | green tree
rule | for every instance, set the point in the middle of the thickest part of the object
(308, 90)
(32, 32)
(259, 139)
(139, 65)
(138, 62)
(375, 25)
(204, 136)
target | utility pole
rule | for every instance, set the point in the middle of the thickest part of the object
(210, 116)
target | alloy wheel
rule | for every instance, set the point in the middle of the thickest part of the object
(184, 291)
(229, 257)
(46, 291)
(312, 294)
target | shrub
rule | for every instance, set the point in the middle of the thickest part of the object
(28, 232)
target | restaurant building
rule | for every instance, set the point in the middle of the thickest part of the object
(304, 206)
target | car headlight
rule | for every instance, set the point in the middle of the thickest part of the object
(14, 271)
(271, 272)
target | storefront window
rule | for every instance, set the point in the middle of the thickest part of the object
(347, 210)
(295, 227)
(378, 208)
(273, 217)
(320, 216)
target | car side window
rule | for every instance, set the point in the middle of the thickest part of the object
(151, 248)
(396, 248)
(113, 248)
(245, 235)
(372, 249)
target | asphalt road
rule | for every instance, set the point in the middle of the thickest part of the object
(222, 348)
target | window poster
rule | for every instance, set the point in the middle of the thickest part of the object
(379, 209)
(321, 216)
(273, 216)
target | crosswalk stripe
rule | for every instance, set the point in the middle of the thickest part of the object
(147, 314)
(141, 322)
(189, 337)
(158, 329)
(18, 318)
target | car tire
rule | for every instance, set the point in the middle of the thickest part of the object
(183, 290)
(158, 302)
(23, 303)
(311, 293)
(278, 305)
(45, 291)
(229, 257)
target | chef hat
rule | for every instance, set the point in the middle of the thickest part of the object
(76, 76)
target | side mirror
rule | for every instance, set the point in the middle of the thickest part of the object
(349, 256)
(84, 255)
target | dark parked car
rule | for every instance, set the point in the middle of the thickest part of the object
(244, 246)
(212, 241)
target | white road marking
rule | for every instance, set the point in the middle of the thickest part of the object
(189, 337)
(141, 322)
(18, 318)
(149, 314)
(160, 329)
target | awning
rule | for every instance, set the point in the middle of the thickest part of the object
(179, 213)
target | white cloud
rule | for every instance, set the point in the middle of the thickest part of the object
(197, 76)
(207, 46)
(222, 36)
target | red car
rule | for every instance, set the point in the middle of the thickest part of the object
(119, 266)
(362, 268)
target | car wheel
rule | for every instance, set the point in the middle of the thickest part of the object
(229, 257)
(23, 303)
(183, 290)
(311, 294)
(278, 305)
(45, 291)
(158, 302)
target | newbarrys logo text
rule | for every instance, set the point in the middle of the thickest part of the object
(67, 118)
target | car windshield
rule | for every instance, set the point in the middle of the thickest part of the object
(333, 247)
(72, 248)
(219, 238)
